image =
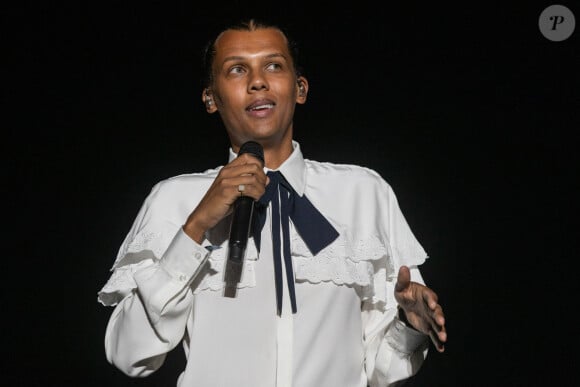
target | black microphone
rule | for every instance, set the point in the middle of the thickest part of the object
(240, 228)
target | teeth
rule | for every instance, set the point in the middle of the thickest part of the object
(266, 106)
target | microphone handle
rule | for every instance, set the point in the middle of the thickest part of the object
(240, 228)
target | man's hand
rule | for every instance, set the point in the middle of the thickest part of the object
(221, 195)
(421, 308)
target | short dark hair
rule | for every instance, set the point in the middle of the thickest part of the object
(252, 24)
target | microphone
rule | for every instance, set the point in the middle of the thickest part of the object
(240, 228)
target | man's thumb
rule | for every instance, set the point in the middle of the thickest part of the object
(403, 278)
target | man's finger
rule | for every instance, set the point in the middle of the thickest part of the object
(403, 278)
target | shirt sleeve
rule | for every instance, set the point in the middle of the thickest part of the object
(393, 351)
(150, 321)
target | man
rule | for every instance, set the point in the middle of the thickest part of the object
(325, 296)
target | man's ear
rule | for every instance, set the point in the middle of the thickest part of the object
(208, 100)
(302, 90)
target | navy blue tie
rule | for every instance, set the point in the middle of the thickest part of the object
(311, 225)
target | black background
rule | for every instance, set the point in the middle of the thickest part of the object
(465, 108)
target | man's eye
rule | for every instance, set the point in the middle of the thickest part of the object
(236, 70)
(273, 66)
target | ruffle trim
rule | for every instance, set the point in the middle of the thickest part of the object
(143, 250)
(121, 283)
(368, 262)
(362, 262)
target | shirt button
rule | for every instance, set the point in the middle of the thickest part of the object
(197, 256)
(182, 278)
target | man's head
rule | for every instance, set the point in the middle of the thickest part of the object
(246, 25)
(253, 81)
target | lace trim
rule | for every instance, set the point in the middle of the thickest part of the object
(365, 262)
(121, 283)
(143, 250)
(145, 245)
(214, 280)
(345, 262)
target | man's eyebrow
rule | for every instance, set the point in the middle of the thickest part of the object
(235, 58)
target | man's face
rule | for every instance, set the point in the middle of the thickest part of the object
(255, 88)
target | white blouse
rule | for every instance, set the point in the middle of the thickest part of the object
(167, 290)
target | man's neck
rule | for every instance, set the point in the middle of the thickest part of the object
(275, 156)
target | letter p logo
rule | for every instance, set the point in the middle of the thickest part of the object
(556, 23)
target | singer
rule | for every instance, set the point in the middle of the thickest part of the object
(330, 293)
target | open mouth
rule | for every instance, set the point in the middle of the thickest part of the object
(261, 105)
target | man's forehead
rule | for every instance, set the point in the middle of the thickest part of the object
(263, 40)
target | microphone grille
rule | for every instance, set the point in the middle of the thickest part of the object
(253, 148)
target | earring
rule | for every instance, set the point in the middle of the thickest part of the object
(208, 98)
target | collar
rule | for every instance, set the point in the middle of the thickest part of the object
(293, 168)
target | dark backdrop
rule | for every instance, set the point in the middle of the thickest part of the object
(465, 109)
